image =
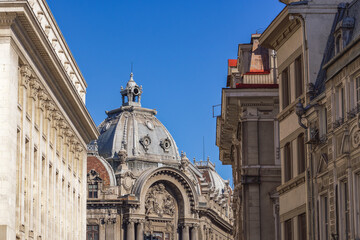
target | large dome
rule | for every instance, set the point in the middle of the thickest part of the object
(137, 131)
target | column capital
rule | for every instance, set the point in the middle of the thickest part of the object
(25, 73)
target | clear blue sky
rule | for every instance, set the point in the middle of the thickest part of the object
(179, 50)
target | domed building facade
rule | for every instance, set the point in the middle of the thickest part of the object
(139, 187)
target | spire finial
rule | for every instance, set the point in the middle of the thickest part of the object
(131, 95)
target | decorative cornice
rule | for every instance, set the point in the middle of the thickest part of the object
(55, 38)
(7, 19)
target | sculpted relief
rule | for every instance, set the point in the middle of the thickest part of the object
(159, 202)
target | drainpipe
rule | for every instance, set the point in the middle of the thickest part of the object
(310, 188)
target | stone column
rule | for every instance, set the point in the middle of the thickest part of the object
(140, 231)
(194, 233)
(185, 232)
(130, 234)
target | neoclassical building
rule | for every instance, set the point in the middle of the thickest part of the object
(140, 187)
(45, 128)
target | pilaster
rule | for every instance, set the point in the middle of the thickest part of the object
(8, 134)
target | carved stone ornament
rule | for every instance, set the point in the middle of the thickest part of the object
(122, 154)
(355, 138)
(159, 202)
(93, 177)
(165, 144)
(25, 72)
(145, 142)
(149, 125)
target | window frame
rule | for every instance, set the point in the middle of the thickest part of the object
(288, 164)
(94, 232)
(288, 225)
(93, 192)
(344, 209)
(301, 155)
(324, 217)
(299, 78)
(285, 88)
(302, 226)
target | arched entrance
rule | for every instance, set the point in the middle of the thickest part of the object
(163, 203)
(167, 206)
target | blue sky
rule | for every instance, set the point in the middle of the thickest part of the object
(179, 50)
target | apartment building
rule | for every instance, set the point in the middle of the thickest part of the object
(247, 137)
(303, 37)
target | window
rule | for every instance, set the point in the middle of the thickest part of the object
(301, 153)
(92, 232)
(357, 203)
(302, 226)
(299, 82)
(285, 88)
(340, 104)
(357, 87)
(338, 44)
(158, 235)
(287, 162)
(93, 190)
(324, 218)
(344, 211)
(323, 123)
(288, 230)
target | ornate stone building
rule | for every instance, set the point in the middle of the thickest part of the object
(140, 187)
(45, 128)
(318, 75)
(247, 136)
(333, 121)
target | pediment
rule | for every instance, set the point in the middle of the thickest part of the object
(323, 163)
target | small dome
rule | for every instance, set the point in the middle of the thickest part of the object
(137, 131)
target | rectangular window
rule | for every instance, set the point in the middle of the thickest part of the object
(357, 87)
(357, 203)
(302, 226)
(323, 123)
(301, 153)
(288, 230)
(287, 162)
(324, 218)
(93, 190)
(299, 82)
(285, 88)
(158, 235)
(342, 102)
(344, 211)
(92, 232)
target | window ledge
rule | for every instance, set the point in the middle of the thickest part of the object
(292, 183)
(289, 108)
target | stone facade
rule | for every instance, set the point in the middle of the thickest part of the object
(139, 187)
(318, 71)
(45, 128)
(247, 137)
